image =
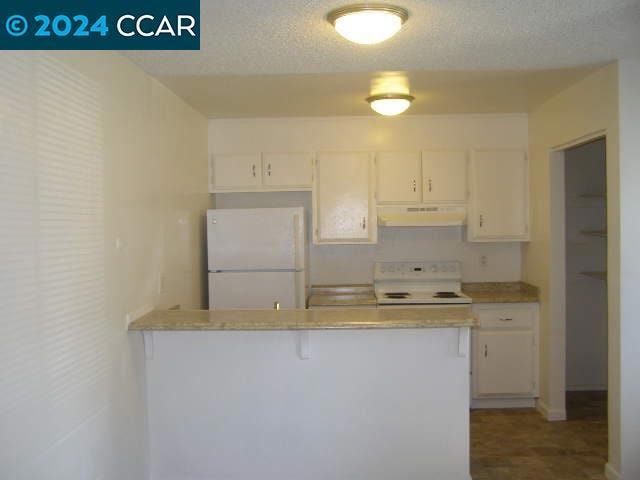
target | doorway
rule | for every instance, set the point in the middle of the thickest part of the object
(586, 276)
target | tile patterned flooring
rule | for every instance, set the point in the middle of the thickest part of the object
(520, 445)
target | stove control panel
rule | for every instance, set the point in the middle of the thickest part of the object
(417, 271)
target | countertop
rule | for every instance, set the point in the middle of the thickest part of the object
(322, 319)
(336, 296)
(501, 292)
(480, 292)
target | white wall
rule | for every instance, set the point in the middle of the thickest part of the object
(585, 172)
(365, 405)
(353, 263)
(93, 150)
(586, 108)
(629, 78)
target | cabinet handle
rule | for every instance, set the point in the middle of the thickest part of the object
(430, 189)
(481, 220)
(506, 319)
(486, 350)
(414, 185)
(253, 170)
(269, 170)
(364, 223)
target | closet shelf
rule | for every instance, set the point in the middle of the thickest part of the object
(593, 195)
(595, 274)
(594, 233)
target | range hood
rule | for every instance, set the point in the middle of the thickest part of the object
(422, 216)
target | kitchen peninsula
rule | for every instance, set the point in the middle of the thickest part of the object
(308, 394)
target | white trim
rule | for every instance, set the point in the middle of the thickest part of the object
(576, 142)
(552, 415)
(611, 473)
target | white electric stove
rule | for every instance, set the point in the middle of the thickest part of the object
(418, 284)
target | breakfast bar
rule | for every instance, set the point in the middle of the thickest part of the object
(308, 394)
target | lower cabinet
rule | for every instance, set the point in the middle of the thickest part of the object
(505, 355)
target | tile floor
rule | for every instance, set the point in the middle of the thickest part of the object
(521, 445)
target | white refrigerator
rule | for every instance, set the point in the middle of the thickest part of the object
(256, 258)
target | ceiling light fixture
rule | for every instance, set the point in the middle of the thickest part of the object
(390, 104)
(368, 23)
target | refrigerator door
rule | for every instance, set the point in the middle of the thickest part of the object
(256, 239)
(248, 290)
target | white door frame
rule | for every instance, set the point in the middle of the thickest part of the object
(556, 407)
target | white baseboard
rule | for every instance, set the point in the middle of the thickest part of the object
(552, 415)
(479, 403)
(611, 473)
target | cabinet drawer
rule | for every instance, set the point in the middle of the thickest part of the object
(506, 318)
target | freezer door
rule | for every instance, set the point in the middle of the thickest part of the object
(238, 290)
(256, 239)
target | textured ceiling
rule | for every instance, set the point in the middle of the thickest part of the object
(250, 37)
(225, 96)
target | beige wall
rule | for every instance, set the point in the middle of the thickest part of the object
(587, 107)
(354, 263)
(103, 189)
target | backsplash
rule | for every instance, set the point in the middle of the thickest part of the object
(338, 264)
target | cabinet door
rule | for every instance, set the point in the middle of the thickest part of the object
(236, 171)
(343, 207)
(287, 170)
(444, 176)
(504, 362)
(499, 196)
(398, 177)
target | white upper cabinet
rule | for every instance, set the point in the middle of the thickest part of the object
(444, 176)
(434, 177)
(343, 199)
(283, 170)
(236, 170)
(499, 205)
(398, 177)
(252, 172)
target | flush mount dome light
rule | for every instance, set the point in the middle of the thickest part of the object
(368, 23)
(390, 103)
